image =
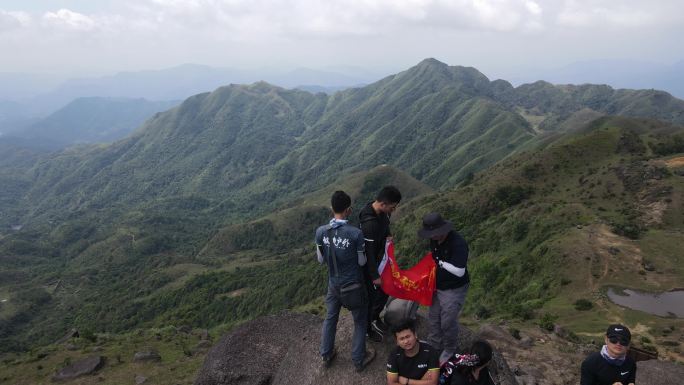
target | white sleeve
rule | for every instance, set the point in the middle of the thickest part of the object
(457, 271)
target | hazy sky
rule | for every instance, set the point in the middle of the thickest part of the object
(496, 36)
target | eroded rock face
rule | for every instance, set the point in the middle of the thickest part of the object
(80, 368)
(657, 372)
(283, 350)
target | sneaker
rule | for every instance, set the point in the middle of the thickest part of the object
(327, 360)
(374, 336)
(370, 355)
(379, 326)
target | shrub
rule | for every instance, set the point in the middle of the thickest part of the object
(671, 145)
(629, 230)
(547, 321)
(88, 335)
(482, 312)
(583, 304)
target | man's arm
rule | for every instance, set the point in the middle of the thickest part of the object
(393, 371)
(457, 271)
(394, 379)
(429, 378)
(632, 375)
(319, 254)
(318, 241)
(362, 259)
(587, 375)
(369, 229)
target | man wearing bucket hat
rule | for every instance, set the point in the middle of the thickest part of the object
(611, 365)
(450, 252)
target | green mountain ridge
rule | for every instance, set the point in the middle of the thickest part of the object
(257, 141)
(186, 221)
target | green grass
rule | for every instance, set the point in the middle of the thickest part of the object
(179, 363)
(663, 248)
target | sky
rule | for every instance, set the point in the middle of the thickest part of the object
(495, 36)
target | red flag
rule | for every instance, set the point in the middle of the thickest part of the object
(415, 284)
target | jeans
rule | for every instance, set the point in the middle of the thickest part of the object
(360, 315)
(443, 319)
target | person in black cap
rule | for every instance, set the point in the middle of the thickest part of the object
(450, 252)
(610, 366)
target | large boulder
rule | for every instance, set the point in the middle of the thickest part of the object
(283, 350)
(80, 368)
(658, 372)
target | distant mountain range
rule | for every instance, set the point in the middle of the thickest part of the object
(176, 83)
(204, 214)
(616, 73)
(88, 120)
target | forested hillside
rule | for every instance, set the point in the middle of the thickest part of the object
(204, 215)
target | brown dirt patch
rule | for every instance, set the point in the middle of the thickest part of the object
(675, 162)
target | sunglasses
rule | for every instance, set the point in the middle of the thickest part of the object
(621, 341)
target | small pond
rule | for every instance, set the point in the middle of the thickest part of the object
(667, 304)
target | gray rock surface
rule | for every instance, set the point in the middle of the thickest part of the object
(282, 349)
(80, 368)
(146, 356)
(658, 372)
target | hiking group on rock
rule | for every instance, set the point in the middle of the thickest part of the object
(353, 256)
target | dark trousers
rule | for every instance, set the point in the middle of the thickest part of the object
(376, 302)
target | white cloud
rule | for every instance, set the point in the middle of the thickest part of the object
(13, 20)
(69, 20)
(167, 32)
(623, 14)
(250, 19)
(533, 7)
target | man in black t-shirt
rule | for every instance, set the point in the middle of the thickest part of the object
(611, 365)
(413, 362)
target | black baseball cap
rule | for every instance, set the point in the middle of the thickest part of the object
(619, 331)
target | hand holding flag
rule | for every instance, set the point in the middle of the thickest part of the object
(414, 284)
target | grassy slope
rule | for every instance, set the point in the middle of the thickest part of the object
(180, 359)
(537, 253)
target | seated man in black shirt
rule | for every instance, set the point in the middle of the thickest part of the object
(611, 365)
(413, 362)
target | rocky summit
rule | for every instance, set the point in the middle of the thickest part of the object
(283, 350)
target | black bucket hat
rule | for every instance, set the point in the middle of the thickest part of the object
(434, 225)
